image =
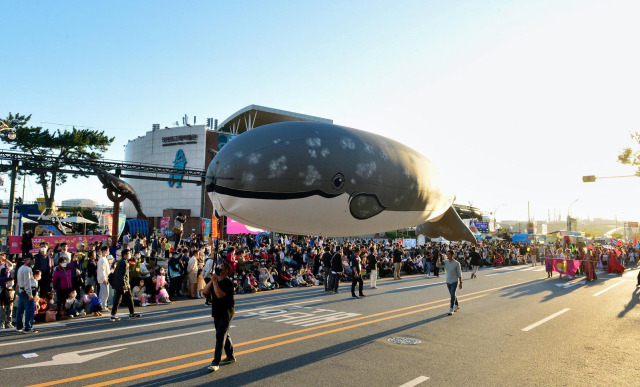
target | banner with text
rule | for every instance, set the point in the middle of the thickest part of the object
(73, 242)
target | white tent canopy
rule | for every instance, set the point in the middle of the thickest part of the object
(77, 219)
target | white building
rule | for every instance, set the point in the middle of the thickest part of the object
(82, 203)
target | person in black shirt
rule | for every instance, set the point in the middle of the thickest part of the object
(336, 269)
(435, 261)
(356, 266)
(222, 310)
(397, 262)
(475, 262)
(372, 266)
(326, 264)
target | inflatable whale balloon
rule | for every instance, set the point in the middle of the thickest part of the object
(312, 178)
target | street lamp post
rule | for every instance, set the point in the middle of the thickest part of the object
(569, 214)
(494, 215)
(11, 135)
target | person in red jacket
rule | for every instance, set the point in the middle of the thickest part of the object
(232, 259)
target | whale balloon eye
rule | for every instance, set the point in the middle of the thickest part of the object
(338, 181)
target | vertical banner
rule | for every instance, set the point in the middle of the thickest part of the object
(214, 228)
(122, 219)
(165, 222)
(109, 223)
(206, 227)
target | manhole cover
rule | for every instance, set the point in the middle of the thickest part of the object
(404, 341)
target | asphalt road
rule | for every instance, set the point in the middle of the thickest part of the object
(515, 328)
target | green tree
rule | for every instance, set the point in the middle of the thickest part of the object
(81, 144)
(630, 156)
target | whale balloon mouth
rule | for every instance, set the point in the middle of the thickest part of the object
(267, 195)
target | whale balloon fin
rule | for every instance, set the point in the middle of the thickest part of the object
(364, 206)
(449, 226)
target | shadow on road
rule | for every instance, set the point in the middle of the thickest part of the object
(203, 378)
(635, 300)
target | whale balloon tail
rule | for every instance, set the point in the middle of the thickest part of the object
(449, 226)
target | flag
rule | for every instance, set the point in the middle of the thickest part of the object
(635, 241)
(565, 266)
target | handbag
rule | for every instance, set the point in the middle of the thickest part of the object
(50, 316)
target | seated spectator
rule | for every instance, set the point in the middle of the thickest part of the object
(161, 288)
(91, 301)
(299, 280)
(139, 294)
(285, 279)
(263, 280)
(250, 284)
(73, 307)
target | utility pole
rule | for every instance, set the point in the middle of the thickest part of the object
(12, 196)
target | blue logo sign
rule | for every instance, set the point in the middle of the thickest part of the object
(178, 163)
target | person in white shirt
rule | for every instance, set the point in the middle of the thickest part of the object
(103, 277)
(453, 272)
(192, 273)
(26, 300)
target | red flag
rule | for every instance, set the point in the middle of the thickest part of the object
(635, 241)
(619, 243)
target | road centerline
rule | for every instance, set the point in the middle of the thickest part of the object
(544, 320)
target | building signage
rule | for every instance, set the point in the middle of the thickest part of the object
(482, 226)
(180, 140)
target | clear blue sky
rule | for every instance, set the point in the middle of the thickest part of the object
(513, 100)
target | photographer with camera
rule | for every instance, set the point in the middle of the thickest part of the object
(223, 309)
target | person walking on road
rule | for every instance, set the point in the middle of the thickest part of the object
(453, 273)
(121, 285)
(222, 310)
(336, 269)
(475, 262)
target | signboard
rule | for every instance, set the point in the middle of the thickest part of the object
(234, 227)
(633, 224)
(206, 227)
(73, 242)
(109, 223)
(482, 226)
(214, 227)
(180, 140)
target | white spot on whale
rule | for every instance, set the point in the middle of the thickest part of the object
(353, 181)
(247, 177)
(277, 141)
(347, 143)
(406, 172)
(365, 169)
(384, 156)
(311, 175)
(254, 158)
(314, 142)
(312, 153)
(277, 167)
(239, 154)
(325, 152)
(370, 149)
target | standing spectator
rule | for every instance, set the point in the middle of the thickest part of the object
(326, 265)
(426, 262)
(398, 252)
(435, 261)
(7, 294)
(175, 276)
(62, 283)
(103, 271)
(356, 266)
(192, 273)
(372, 266)
(121, 285)
(453, 272)
(27, 243)
(337, 269)
(44, 262)
(91, 277)
(26, 300)
(223, 310)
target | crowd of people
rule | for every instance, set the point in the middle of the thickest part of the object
(57, 284)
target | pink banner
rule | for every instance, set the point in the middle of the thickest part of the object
(234, 227)
(73, 242)
(564, 266)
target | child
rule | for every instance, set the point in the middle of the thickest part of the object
(6, 303)
(91, 301)
(139, 293)
(73, 307)
(161, 291)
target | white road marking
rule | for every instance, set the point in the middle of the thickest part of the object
(609, 288)
(572, 284)
(256, 310)
(510, 271)
(416, 381)
(422, 285)
(93, 320)
(544, 320)
(75, 357)
(78, 334)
